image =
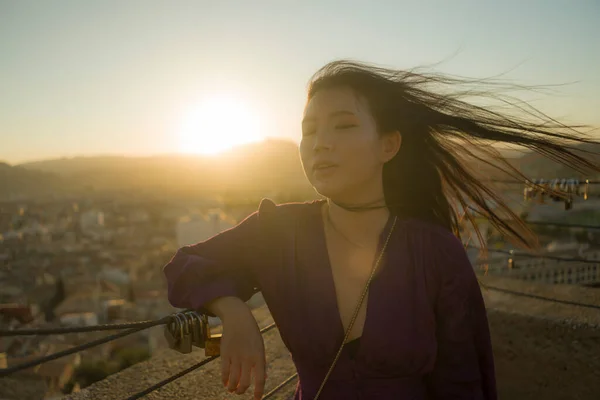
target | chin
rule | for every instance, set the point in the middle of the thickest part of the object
(327, 189)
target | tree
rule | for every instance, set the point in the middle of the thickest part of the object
(91, 372)
(128, 356)
(582, 237)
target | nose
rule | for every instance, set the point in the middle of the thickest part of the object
(323, 140)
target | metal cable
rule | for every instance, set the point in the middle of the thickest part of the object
(78, 329)
(279, 387)
(562, 225)
(171, 378)
(8, 371)
(184, 372)
(581, 181)
(525, 255)
(534, 296)
(542, 223)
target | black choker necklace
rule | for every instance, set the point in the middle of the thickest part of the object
(359, 208)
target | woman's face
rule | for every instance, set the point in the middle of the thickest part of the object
(341, 150)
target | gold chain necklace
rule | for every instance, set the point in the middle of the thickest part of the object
(356, 310)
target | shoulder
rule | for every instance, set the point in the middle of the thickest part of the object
(269, 207)
(283, 216)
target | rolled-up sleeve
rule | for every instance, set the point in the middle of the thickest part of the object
(464, 366)
(223, 265)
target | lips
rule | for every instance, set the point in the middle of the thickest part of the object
(323, 166)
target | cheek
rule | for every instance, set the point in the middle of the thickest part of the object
(357, 151)
(361, 167)
(362, 162)
(303, 150)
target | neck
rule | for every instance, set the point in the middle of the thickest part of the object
(362, 227)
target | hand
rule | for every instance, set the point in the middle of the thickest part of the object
(242, 353)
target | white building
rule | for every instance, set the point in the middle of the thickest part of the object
(194, 229)
(79, 319)
(139, 216)
(91, 220)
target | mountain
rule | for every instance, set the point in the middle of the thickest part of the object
(536, 166)
(18, 182)
(262, 167)
(258, 168)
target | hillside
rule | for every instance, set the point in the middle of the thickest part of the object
(272, 165)
(18, 182)
(258, 168)
(536, 166)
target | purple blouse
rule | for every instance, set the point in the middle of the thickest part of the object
(426, 333)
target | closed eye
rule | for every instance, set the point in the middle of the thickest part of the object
(345, 126)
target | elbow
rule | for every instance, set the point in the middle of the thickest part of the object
(175, 272)
(178, 292)
(175, 299)
(177, 268)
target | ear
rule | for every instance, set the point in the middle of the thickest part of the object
(391, 143)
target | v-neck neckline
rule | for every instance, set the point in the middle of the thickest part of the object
(340, 329)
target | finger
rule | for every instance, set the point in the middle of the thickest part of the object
(244, 378)
(260, 376)
(234, 375)
(225, 369)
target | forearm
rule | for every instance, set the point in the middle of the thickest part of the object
(227, 307)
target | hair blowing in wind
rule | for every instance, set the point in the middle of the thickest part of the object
(442, 129)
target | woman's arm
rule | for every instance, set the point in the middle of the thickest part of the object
(216, 277)
(464, 367)
(211, 275)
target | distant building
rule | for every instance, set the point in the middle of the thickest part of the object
(91, 221)
(24, 313)
(115, 309)
(79, 319)
(195, 229)
(139, 216)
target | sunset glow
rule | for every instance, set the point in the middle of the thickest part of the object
(217, 124)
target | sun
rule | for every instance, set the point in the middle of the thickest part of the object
(217, 124)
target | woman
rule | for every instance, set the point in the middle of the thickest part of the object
(388, 155)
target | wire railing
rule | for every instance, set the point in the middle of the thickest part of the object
(185, 372)
(540, 256)
(30, 364)
(582, 181)
(563, 225)
(80, 329)
(538, 297)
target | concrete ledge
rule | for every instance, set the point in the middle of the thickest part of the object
(560, 313)
(543, 350)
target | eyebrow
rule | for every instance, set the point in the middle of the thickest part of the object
(331, 114)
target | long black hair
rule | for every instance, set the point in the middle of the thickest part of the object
(431, 176)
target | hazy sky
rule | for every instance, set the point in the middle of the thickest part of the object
(118, 77)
